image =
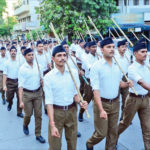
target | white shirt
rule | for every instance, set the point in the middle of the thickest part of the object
(136, 72)
(42, 60)
(59, 88)
(71, 64)
(2, 62)
(47, 56)
(123, 62)
(29, 77)
(99, 52)
(88, 61)
(79, 52)
(105, 78)
(21, 60)
(11, 68)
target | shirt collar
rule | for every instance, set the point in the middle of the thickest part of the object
(138, 64)
(56, 71)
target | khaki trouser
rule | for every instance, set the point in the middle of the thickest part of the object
(105, 128)
(33, 102)
(142, 106)
(64, 119)
(88, 94)
(124, 93)
(12, 88)
(1, 86)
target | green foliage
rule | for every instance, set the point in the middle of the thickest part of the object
(68, 15)
(6, 26)
(2, 7)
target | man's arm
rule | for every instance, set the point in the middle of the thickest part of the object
(4, 82)
(20, 90)
(144, 84)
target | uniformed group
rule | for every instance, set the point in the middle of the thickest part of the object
(57, 75)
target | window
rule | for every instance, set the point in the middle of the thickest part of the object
(135, 2)
(146, 2)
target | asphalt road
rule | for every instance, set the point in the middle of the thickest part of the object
(13, 138)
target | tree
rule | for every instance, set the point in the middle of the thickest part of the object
(68, 15)
(2, 7)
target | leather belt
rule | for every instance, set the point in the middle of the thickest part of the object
(64, 107)
(46, 71)
(109, 100)
(139, 96)
(14, 80)
(31, 91)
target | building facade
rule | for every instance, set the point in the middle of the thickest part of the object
(26, 16)
(134, 15)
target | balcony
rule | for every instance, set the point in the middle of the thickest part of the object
(21, 10)
(26, 26)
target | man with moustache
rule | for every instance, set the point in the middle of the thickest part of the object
(2, 62)
(30, 93)
(139, 73)
(124, 62)
(106, 79)
(10, 80)
(61, 98)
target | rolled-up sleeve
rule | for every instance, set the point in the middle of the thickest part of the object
(48, 91)
(133, 75)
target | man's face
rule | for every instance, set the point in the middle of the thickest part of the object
(3, 52)
(40, 48)
(45, 46)
(29, 57)
(93, 49)
(60, 59)
(108, 50)
(141, 55)
(13, 53)
(122, 49)
(66, 47)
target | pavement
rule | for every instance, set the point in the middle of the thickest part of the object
(13, 138)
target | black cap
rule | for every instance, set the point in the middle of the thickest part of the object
(106, 41)
(27, 51)
(139, 46)
(58, 49)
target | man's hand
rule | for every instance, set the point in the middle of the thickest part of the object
(22, 105)
(130, 83)
(84, 105)
(41, 82)
(103, 115)
(5, 88)
(55, 132)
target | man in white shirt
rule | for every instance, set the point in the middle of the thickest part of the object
(106, 79)
(124, 62)
(2, 62)
(139, 73)
(61, 98)
(30, 93)
(87, 62)
(10, 80)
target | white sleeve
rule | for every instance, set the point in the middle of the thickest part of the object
(21, 79)
(48, 91)
(5, 68)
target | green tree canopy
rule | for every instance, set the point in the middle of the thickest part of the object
(2, 7)
(68, 15)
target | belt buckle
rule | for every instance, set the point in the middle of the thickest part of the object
(65, 108)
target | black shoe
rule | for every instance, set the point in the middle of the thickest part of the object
(26, 130)
(4, 101)
(87, 148)
(40, 139)
(46, 111)
(20, 115)
(9, 107)
(80, 117)
(78, 134)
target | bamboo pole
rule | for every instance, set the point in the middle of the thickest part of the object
(95, 27)
(134, 35)
(145, 37)
(81, 98)
(112, 34)
(117, 33)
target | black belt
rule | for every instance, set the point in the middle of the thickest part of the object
(1, 71)
(45, 72)
(14, 80)
(64, 107)
(31, 91)
(109, 100)
(139, 96)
